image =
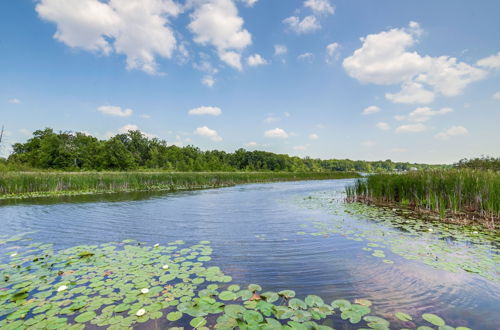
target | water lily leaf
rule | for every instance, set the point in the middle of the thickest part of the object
(254, 287)
(234, 311)
(434, 319)
(174, 316)
(85, 317)
(341, 303)
(296, 303)
(198, 322)
(287, 294)
(313, 300)
(227, 295)
(363, 302)
(270, 296)
(403, 316)
(252, 317)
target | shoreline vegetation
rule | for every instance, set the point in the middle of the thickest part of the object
(17, 185)
(459, 196)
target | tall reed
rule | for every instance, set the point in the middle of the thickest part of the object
(442, 191)
(15, 184)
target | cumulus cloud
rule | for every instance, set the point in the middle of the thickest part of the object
(496, 95)
(411, 128)
(14, 101)
(208, 81)
(256, 60)
(271, 119)
(300, 148)
(249, 3)
(136, 28)
(209, 133)
(313, 136)
(451, 132)
(280, 50)
(385, 59)
(371, 110)
(420, 115)
(411, 92)
(212, 111)
(251, 144)
(320, 7)
(332, 53)
(276, 133)
(128, 127)
(490, 62)
(216, 23)
(306, 25)
(308, 57)
(115, 111)
(383, 126)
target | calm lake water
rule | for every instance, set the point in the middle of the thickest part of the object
(254, 233)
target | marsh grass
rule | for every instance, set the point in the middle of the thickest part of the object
(30, 184)
(462, 195)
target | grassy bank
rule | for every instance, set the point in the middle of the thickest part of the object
(32, 184)
(460, 196)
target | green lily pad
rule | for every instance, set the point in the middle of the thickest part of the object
(434, 319)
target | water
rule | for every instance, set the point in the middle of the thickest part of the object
(253, 230)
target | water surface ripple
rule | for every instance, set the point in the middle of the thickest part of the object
(253, 230)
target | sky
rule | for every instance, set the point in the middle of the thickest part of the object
(414, 81)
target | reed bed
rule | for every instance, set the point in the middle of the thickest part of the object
(28, 184)
(460, 194)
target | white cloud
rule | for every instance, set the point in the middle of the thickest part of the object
(411, 92)
(286, 114)
(332, 52)
(146, 116)
(208, 81)
(280, 50)
(216, 23)
(212, 111)
(490, 62)
(251, 144)
(115, 111)
(411, 128)
(452, 131)
(14, 101)
(384, 59)
(383, 126)
(136, 28)
(276, 133)
(320, 7)
(496, 95)
(306, 25)
(313, 136)
(398, 150)
(309, 57)
(129, 127)
(420, 115)
(370, 110)
(399, 117)
(249, 3)
(25, 131)
(209, 133)
(256, 60)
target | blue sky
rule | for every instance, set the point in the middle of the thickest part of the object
(407, 80)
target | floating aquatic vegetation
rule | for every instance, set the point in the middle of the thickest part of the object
(386, 231)
(119, 285)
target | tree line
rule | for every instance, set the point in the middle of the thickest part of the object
(133, 150)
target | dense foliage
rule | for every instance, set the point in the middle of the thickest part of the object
(444, 191)
(480, 163)
(78, 151)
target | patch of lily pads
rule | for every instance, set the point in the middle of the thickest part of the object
(448, 247)
(121, 285)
